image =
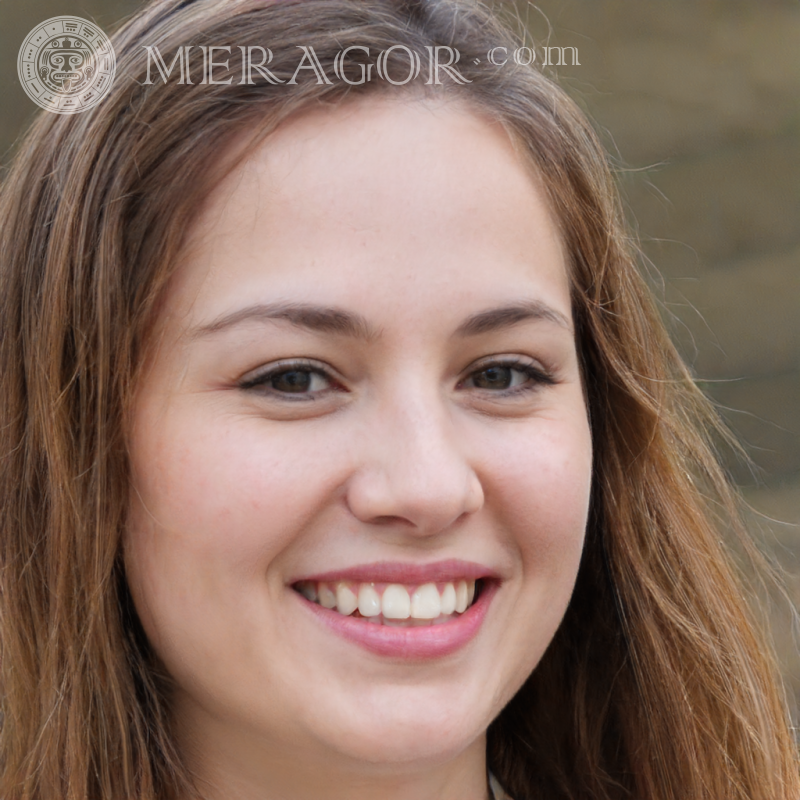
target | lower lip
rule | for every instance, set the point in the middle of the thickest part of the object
(412, 643)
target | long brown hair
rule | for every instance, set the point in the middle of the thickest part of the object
(657, 684)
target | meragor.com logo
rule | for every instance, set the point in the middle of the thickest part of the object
(66, 65)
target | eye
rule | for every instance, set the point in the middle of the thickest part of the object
(297, 379)
(507, 377)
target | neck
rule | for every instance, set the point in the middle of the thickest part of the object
(233, 768)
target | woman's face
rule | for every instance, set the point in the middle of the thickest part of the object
(366, 392)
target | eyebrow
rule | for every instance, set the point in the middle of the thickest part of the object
(322, 319)
(506, 316)
(325, 319)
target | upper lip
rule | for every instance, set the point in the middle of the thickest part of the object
(404, 572)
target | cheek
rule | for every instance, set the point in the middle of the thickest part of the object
(213, 506)
(544, 476)
(561, 507)
(218, 488)
(549, 506)
(544, 489)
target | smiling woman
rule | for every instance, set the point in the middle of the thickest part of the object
(313, 483)
(350, 458)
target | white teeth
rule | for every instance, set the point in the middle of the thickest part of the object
(448, 599)
(426, 603)
(396, 604)
(462, 598)
(327, 597)
(346, 600)
(369, 601)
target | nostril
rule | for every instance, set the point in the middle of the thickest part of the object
(388, 519)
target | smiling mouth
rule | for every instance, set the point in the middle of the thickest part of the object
(394, 604)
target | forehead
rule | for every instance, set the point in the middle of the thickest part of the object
(369, 201)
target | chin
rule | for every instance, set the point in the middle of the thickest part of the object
(406, 729)
(419, 745)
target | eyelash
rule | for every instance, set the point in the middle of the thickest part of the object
(536, 378)
(262, 380)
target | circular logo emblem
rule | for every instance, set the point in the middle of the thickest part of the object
(66, 65)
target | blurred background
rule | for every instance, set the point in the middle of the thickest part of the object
(699, 104)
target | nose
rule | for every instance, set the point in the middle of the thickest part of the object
(412, 470)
